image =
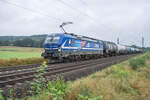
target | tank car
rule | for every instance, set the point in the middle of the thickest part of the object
(121, 49)
(110, 48)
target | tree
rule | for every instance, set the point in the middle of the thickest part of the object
(5, 43)
(26, 42)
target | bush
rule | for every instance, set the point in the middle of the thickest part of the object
(147, 56)
(119, 73)
(39, 81)
(57, 89)
(138, 62)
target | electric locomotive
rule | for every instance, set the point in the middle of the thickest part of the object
(68, 46)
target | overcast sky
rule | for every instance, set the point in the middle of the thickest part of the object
(101, 19)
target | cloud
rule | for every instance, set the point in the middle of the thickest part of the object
(102, 19)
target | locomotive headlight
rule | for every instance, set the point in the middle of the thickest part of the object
(59, 49)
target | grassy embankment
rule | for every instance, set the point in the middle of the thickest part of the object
(129, 80)
(13, 56)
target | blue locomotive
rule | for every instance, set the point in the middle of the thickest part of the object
(68, 46)
(60, 46)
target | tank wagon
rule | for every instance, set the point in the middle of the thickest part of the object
(68, 46)
(121, 49)
(110, 48)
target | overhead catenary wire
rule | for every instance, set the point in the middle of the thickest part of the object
(38, 12)
(85, 14)
(30, 10)
(46, 15)
(75, 9)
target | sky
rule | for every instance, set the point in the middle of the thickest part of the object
(127, 20)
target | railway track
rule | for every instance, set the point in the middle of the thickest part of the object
(13, 69)
(31, 68)
(23, 75)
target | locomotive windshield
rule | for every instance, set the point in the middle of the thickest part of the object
(52, 39)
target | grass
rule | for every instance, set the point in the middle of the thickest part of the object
(17, 62)
(14, 56)
(119, 82)
(9, 55)
(139, 61)
(19, 52)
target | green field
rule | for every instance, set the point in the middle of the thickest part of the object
(19, 52)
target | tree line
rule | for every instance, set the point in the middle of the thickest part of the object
(26, 42)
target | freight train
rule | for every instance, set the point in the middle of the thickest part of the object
(69, 46)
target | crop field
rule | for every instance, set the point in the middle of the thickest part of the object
(19, 52)
(15, 56)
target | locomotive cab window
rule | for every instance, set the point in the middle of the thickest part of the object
(52, 39)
